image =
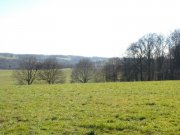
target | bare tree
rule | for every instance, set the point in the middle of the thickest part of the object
(82, 72)
(127, 70)
(173, 42)
(98, 72)
(111, 70)
(146, 58)
(160, 56)
(51, 71)
(136, 53)
(149, 41)
(27, 71)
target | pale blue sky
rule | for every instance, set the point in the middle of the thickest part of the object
(80, 27)
(9, 6)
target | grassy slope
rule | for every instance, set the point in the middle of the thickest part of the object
(6, 77)
(111, 108)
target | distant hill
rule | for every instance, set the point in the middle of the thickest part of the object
(10, 61)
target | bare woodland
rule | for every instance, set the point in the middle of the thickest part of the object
(152, 57)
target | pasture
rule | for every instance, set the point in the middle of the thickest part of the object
(102, 108)
(6, 77)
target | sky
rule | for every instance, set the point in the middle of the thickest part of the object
(82, 27)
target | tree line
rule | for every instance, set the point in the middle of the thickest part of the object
(30, 69)
(152, 57)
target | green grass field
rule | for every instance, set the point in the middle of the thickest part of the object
(6, 77)
(104, 108)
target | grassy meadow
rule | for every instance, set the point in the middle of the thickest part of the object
(125, 108)
(6, 77)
